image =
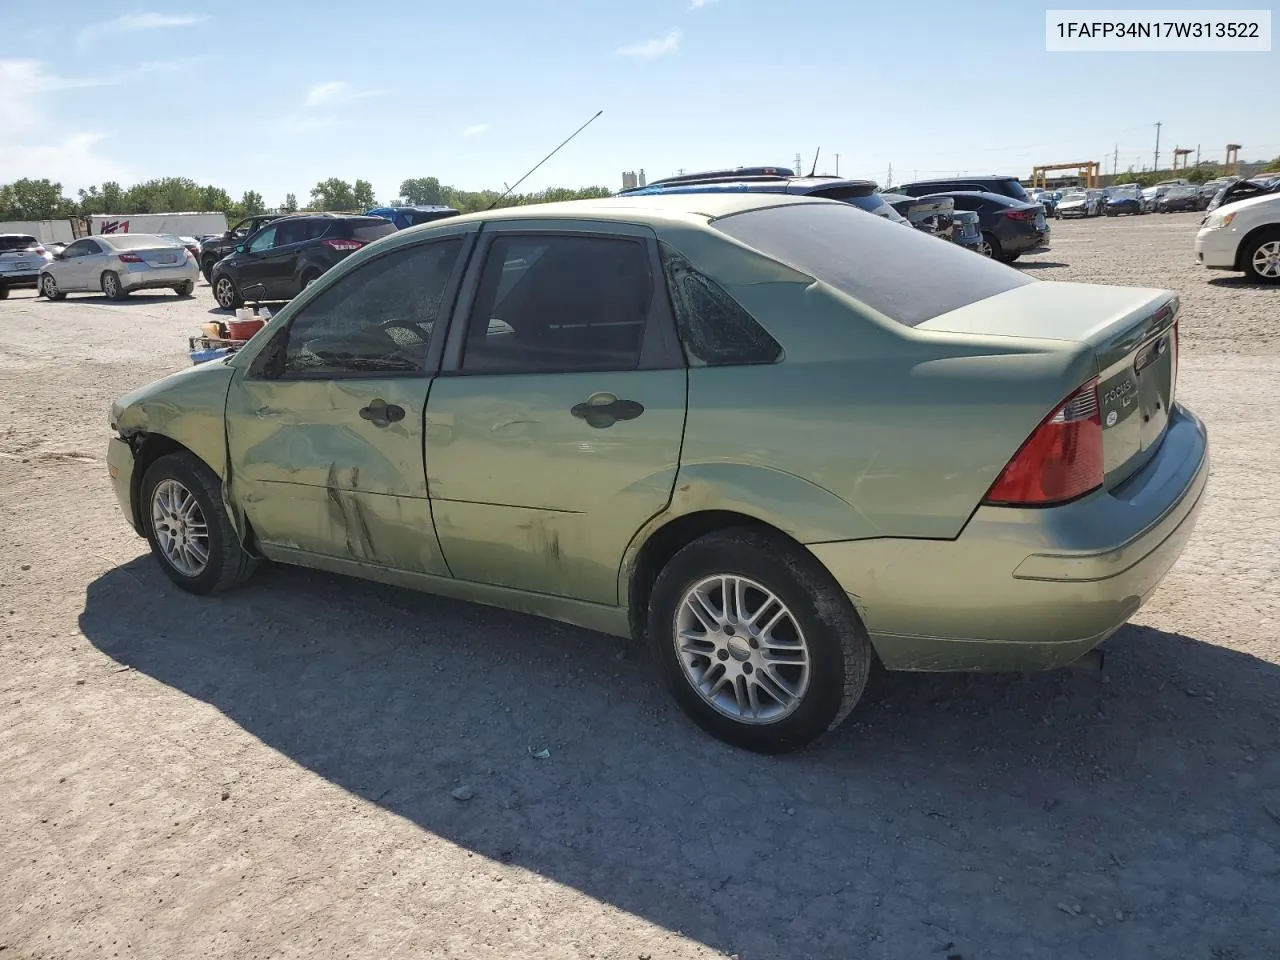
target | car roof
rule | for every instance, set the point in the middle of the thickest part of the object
(769, 183)
(415, 208)
(965, 179)
(982, 194)
(643, 209)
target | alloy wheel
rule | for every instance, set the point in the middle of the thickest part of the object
(181, 531)
(225, 293)
(742, 649)
(49, 286)
(111, 285)
(1266, 260)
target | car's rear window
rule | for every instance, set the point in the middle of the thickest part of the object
(1013, 188)
(369, 231)
(904, 274)
(17, 243)
(137, 241)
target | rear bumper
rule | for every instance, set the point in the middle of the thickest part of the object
(19, 279)
(1026, 589)
(153, 277)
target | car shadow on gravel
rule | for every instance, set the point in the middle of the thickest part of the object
(1079, 814)
(1037, 264)
(1241, 283)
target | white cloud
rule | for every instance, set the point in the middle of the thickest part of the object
(649, 49)
(475, 129)
(32, 146)
(134, 22)
(335, 92)
(695, 4)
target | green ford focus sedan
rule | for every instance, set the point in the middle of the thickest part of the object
(776, 438)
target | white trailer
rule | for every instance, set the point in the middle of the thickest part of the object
(46, 231)
(181, 224)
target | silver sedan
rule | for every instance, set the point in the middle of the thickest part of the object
(117, 265)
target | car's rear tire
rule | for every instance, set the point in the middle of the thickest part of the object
(1262, 257)
(185, 289)
(188, 528)
(993, 249)
(226, 293)
(756, 640)
(112, 288)
(4, 292)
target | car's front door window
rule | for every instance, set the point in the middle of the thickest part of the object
(263, 241)
(374, 322)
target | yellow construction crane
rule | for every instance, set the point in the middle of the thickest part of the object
(1086, 170)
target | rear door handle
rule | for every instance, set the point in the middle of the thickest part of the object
(382, 414)
(604, 410)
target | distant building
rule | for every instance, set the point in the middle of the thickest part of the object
(629, 181)
(642, 180)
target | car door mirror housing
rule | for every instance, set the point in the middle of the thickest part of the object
(241, 248)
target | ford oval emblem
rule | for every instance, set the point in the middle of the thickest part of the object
(1112, 417)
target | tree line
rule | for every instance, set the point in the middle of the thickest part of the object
(29, 199)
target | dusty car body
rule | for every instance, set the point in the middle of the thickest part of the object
(983, 472)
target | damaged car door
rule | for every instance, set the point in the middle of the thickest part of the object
(324, 429)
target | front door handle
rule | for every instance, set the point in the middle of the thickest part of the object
(382, 414)
(604, 410)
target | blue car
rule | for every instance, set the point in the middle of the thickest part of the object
(1121, 200)
(404, 217)
(860, 193)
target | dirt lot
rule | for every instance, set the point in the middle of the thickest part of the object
(269, 774)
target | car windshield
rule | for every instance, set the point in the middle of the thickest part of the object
(1074, 195)
(864, 257)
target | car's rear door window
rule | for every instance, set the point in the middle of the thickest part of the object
(369, 231)
(872, 260)
(558, 303)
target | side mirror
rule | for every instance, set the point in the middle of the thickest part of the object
(241, 248)
(226, 234)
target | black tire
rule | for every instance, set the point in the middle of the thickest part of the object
(1254, 246)
(228, 563)
(112, 288)
(839, 650)
(206, 269)
(185, 289)
(4, 292)
(997, 251)
(49, 288)
(226, 293)
(1010, 257)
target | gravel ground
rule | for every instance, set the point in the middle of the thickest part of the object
(271, 774)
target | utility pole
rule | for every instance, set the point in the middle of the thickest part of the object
(1115, 160)
(1156, 164)
(1197, 155)
(799, 168)
(888, 181)
(837, 164)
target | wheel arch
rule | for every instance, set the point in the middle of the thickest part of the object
(1242, 248)
(655, 550)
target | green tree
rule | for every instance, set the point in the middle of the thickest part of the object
(1273, 166)
(363, 194)
(422, 191)
(290, 204)
(333, 194)
(252, 203)
(28, 199)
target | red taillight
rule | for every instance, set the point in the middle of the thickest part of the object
(38, 249)
(343, 246)
(1062, 460)
(130, 258)
(1020, 214)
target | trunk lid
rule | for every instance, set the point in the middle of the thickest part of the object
(1131, 335)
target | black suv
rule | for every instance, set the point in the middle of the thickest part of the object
(1005, 186)
(290, 253)
(213, 250)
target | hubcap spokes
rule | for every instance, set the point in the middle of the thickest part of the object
(1266, 259)
(742, 649)
(180, 528)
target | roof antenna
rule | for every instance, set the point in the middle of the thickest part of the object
(815, 162)
(541, 162)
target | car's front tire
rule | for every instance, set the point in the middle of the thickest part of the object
(757, 642)
(226, 293)
(189, 531)
(206, 269)
(112, 288)
(49, 288)
(1262, 257)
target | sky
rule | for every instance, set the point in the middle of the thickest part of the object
(275, 96)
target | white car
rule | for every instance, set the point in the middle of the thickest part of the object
(1243, 236)
(118, 264)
